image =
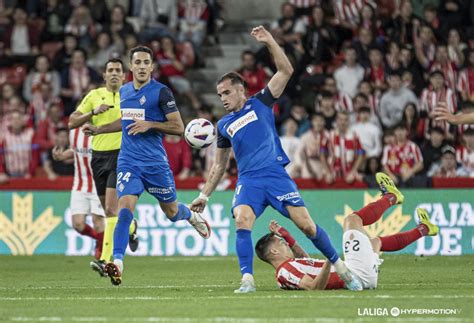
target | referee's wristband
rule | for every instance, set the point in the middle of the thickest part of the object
(203, 196)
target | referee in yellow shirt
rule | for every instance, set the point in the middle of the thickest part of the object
(99, 107)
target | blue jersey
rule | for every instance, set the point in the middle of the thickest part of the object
(151, 103)
(252, 134)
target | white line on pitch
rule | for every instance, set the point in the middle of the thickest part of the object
(282, 296)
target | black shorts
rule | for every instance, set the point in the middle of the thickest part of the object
(104, 170)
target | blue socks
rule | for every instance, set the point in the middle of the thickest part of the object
(121, 233)
(244, 248)
(322, 242)
(184, 213)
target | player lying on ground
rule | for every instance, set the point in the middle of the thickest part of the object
(295, 270)
(148, 111)
(249, 130)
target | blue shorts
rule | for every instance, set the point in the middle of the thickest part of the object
(158, 181)
(269, 187)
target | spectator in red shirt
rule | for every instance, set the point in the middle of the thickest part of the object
(465, 84)
(172, 68)
(47, 128)
(346, 152)
(179, 156)
(403, 160)
(375, 73)
(18, 150)
(254, 75)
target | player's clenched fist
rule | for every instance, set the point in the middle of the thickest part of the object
(261, 34)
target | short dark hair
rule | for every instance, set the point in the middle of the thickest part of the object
(468, 132)
(247, 52)
(317, 115)
(140, 49)
(400, 125)
(234, 77)
(325, 94)
(437, 129)
(82, 50)
(262, 246)
(114, 60)
(364, 109)
(62, 129)
(467, 104)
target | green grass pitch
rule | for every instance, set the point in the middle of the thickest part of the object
(182, 289)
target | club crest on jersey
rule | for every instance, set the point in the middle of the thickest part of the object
(241, 122)
(130, 114)
(142, 100)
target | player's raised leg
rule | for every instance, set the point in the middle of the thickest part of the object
(320, 239)
(400, 240)
(244, 220)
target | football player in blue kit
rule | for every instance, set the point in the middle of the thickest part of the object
(148, 111)
(249, 129)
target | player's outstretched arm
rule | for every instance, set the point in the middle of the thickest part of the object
(77, 118)
(319, 282)
(215, 175)
(173, 126)
(278, 82)
(442, 113)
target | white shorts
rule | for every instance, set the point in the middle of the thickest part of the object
(360, 257)
(85, 203)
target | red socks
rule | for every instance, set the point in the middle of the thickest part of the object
(88, 231)
(401, 240)
(374, 211)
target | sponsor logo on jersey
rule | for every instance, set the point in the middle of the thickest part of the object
(160, 190)
(130, 114)
(241, 122)
(290, 196)
(142, 100)
(171, 104)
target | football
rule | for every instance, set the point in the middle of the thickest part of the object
(200, 133)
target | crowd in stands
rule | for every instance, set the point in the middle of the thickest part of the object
(368, 75)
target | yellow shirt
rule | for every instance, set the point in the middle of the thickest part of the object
(95, 98)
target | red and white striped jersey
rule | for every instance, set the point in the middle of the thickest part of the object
(429, 101)
(193, 11)
(465, 157)
(343, 102)
(450, 73)
(349, 10)
(290, 273)
(466, 83)
(16, 152)
(343, 151)
(398, 158)
(82, 146)
(374, 101)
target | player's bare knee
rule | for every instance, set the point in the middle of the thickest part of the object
(78, 222)
(110, 212)
(243, 220)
